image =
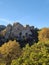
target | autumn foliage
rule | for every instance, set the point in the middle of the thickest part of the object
(11, 52)
(44, 34)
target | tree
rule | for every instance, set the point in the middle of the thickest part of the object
(44, 34)
(10, 50)
(37, 54)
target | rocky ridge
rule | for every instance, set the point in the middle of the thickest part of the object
(19, 33)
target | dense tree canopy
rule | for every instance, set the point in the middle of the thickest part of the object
(37, 54)
(44, 34)
(10, 50)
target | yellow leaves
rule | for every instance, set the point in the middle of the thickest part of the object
(35, 55)
(10, 50)
(44, 35)
(9, 46)
(44, 64)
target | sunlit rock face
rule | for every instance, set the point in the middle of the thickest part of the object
(26, 31)
(16, 29)
(18, 32)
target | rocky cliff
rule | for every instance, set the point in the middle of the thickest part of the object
(19, 33)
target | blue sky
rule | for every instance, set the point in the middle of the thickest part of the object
(32, 12)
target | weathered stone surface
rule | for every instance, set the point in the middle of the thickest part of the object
(18, 32)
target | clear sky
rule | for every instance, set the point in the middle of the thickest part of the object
(32, 12)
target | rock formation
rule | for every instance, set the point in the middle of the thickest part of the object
(2, 27)
(19, 33)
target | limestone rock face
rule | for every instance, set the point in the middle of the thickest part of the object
(4, 34)
(18, 32)
(8, 31)
(16, 29)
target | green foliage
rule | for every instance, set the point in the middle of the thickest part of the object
(37, 54)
